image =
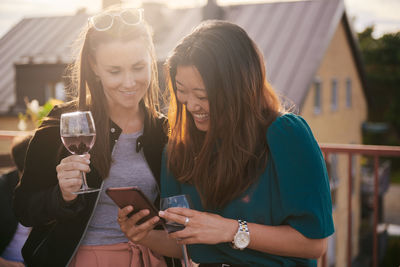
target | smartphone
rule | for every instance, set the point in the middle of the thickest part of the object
(125, 196)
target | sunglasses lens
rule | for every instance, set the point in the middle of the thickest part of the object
(102, 21)
(131, 16)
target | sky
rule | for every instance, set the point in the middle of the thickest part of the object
(384, 14)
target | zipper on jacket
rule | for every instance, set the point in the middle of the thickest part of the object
(87, 226)
(44, 239)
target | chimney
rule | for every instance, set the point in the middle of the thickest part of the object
(212, 10)
(107, 3)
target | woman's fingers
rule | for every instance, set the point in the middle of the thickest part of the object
(68, 186)
(122, 213)
(70, 183)
(132, 221)
(147, 224)
(201, 227)
(129, 225)
(69, 174)
(182, 211)
(177, 215)
(172, 217)
(73, 165)
(83, 158)
(65, 175)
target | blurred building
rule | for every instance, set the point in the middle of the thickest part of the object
(311, 57)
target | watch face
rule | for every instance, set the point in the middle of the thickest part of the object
(242, 240)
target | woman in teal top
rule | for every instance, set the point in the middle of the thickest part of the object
(255, 174)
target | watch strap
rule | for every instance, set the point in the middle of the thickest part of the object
(243, 226)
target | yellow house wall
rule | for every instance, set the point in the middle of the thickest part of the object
(340, 126)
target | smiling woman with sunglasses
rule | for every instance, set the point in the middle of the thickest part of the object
(115, 75)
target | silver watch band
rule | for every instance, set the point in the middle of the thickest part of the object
(243, 226)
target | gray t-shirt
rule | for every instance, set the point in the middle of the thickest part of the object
(128, 168)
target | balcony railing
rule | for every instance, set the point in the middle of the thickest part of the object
(365, 150)
(327, 149)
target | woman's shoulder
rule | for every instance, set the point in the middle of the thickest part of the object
(49, 127)
(63, 108)
(288, 126)
(287, 120)
(54, 115)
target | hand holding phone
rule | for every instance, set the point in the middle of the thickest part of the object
(125, 196)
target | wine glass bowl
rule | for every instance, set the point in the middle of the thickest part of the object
(78, 134)
(178, 201)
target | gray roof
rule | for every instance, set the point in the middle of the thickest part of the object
(293, 36)
(38, 41)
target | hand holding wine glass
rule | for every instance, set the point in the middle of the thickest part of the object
(181, 201)
(78, 135)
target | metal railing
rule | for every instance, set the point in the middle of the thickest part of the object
(365, 150)
(9, 135)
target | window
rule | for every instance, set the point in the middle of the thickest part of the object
(348, 93)
(334, 97)
(59, 91)
(317, 96)
(55, 90)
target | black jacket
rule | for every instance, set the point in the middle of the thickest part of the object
(8, 222)
(58, 227)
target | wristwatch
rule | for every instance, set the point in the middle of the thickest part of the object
(242, 238)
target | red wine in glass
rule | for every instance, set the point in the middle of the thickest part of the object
(78, 135)
(78, 144)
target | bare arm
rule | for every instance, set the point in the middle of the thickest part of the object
(284, 240)
(158, 241)
(207, 228)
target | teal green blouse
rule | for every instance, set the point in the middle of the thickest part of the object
(293, 190)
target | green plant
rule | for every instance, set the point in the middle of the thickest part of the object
(35, 112)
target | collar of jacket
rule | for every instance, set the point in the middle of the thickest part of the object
(152, 141)
(115, 132)
(150, 128)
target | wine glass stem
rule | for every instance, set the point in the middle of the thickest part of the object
(83, 175)
(185, 256)
(84, 183)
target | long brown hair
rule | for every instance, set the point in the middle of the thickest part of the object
(90, 90)
(223, 162)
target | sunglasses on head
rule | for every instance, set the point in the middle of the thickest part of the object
(104, 21)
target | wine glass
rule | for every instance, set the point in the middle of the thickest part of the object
(78, 134)
(181, 201)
